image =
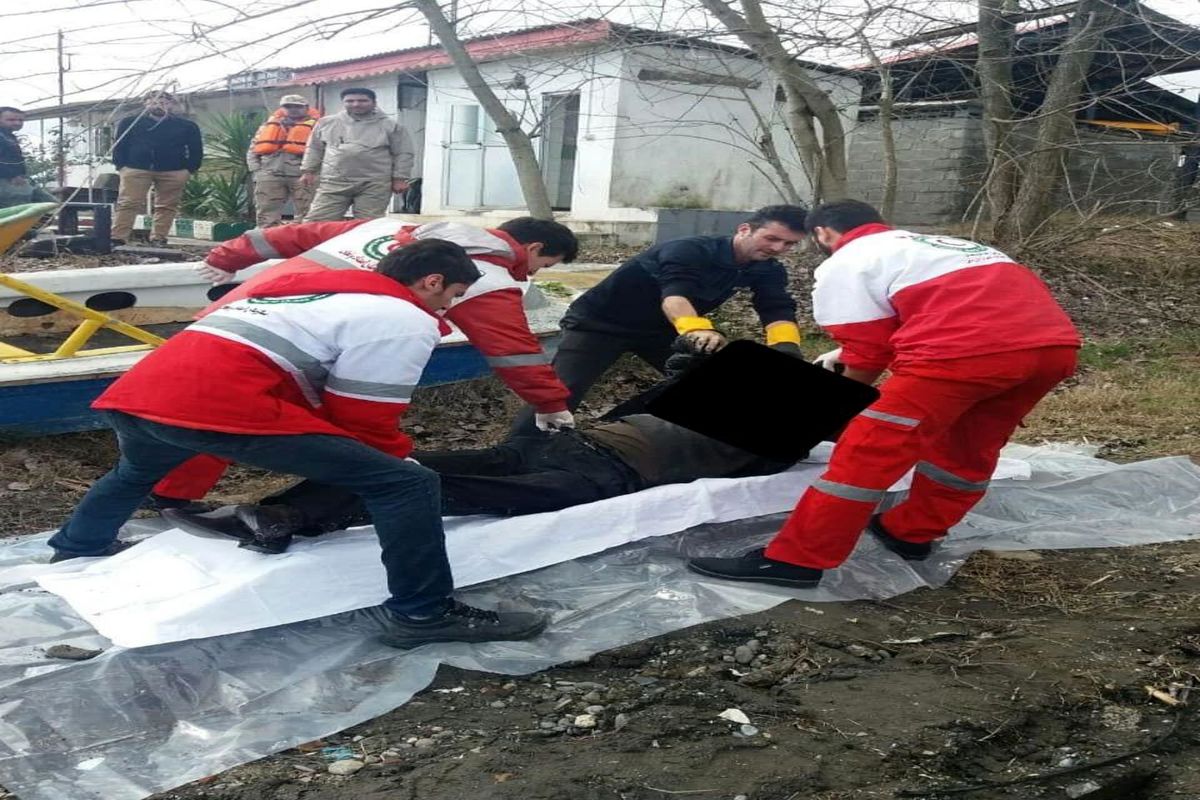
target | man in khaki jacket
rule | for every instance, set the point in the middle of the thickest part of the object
(358, 157)
(274, 160)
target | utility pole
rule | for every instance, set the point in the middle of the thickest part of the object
(61, 146)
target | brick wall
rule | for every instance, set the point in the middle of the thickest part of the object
(940, 155)
(938, 158)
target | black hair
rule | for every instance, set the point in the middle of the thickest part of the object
(842, 215)
(789, 216)
(410, 263)
(368, 92)
(10, 109)
(556, 238)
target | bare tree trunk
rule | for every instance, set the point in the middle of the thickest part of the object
(887, 103)
(994, 68)
(1056, 123)
(766, 145)
(824, 156)
(520, 147)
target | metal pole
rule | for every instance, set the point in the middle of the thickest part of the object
(62, 133)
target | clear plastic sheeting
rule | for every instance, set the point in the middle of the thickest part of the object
(129, 723)
(178, 586)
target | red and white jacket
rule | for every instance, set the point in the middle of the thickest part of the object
(491, 314)
(328, 352)
(891, 296)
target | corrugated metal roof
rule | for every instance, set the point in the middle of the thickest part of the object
(501, 45)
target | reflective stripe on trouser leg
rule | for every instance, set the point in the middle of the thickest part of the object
(931, 510)
(871, 455)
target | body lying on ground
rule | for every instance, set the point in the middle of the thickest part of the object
(523, 475)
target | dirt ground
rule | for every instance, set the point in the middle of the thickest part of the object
(1027, 664)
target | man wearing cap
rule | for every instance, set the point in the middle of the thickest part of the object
(358, 158)
(274, 159)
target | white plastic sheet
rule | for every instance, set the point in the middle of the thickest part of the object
(132, 722)
(178, 586)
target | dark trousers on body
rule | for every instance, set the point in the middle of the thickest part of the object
(583, 357)
(525, 475)
(402, 498)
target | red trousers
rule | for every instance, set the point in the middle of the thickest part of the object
(948, 419)
(192, 479)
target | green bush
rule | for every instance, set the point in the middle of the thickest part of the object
(221, 191)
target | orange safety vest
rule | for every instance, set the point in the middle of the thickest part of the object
(273, 136)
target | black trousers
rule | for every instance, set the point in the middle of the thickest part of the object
(525, 475)
(584, 356)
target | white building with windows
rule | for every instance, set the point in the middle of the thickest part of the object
(624, 120)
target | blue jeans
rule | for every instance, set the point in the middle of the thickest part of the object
(403, 498)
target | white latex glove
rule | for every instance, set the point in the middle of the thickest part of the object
(213, 275)
(830, 361)
(552, 422)
(412, 460)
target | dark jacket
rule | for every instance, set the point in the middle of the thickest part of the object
(12, 160)
(700, 268)
(159, 145)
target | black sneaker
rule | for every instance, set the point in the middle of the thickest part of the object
(909, 551)
(158, 502)
(158, 241)
(114, 548)
(463, 623)
(755, 566)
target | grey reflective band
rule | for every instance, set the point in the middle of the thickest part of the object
(258, 240)
(936, 473)
(526, 360)
(307, 365)
(369, 389)
(848, 492)
(328, 259)
(907, 422)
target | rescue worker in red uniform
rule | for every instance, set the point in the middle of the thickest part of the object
(491, 314)
(973, 342)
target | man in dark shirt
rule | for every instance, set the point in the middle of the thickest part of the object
(664, 292)
(154, 149)
(524, 475)
(15, 187)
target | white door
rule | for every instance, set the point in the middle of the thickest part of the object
(479, 169)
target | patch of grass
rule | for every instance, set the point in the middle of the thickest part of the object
(556, 289)
(1136, 398)
(1104, 355)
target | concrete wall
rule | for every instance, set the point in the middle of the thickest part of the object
(939, 157)
(941, 162)
(1122, 173)
(693, 145)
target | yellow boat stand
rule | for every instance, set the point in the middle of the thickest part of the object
(15, 222)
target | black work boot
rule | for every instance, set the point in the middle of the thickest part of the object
(221, 522)
(272, 526)
(158, 502)
(462, 623)
(909, 551)
(117, 546)
(756, 567)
